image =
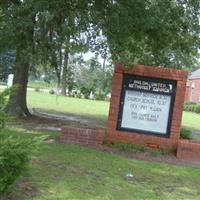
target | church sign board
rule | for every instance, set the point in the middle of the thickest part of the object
(146, 105)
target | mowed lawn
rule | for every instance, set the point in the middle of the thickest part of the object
(70, 172)
(45, 101)
(91, 108)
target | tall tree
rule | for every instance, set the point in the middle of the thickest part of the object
(62, 30)
(25, 26)
(18, 30)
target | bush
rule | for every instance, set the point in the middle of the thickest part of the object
(79, 95)
(37, 89)
(15, 153)
(192, 107)
(185, 133)
(100, 97)
(51, 91)
(190, 103)
(197, 109)
(3, 101)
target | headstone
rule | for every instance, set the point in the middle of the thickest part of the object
(91, 95)
(146, 106)
(10, 80)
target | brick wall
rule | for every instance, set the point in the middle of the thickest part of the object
(142, 139)
(193, 94)
(188, 150)
(90, 137)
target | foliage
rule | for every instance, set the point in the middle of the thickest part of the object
(92, 77)
(37, 89)
(100, 96)
(189, 103)
(156, 32)
(15, 153)
(192, 107)
(185, 133)
(3, 101)
(6, 64)
(51, 91)
(45, 33)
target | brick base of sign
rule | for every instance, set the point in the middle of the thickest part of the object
(88, 137)
(188, 150)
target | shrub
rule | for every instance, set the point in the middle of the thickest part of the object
(100, 96)
(79, 95)
(3, 100)
(190, 103)
(192, 107)
(51, 91)
(37, 89)
(15, 153)
(185, 133)
(197, 108)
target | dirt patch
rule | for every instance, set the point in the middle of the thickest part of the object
(148, 156)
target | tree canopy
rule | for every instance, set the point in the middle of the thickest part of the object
(44, 33)
(152, 32)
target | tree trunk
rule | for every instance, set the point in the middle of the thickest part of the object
(17, 102)
(64, 74)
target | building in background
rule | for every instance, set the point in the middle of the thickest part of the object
(193, 87)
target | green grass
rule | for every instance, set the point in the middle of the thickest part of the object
(91, 108)
(191, 120)
(61, 171)
(96, 109)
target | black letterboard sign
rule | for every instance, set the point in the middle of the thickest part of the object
(146, 105)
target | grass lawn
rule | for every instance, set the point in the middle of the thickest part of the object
(61, 172)
(96, 109)
(191, 120)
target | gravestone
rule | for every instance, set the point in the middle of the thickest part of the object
(146, 106)
(10, 80)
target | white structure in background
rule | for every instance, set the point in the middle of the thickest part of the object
(91, 95)
(10, 80)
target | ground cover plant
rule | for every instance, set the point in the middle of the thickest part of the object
(15, 152)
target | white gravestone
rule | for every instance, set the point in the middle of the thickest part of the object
(10, 80)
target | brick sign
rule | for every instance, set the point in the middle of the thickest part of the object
(146, 105)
